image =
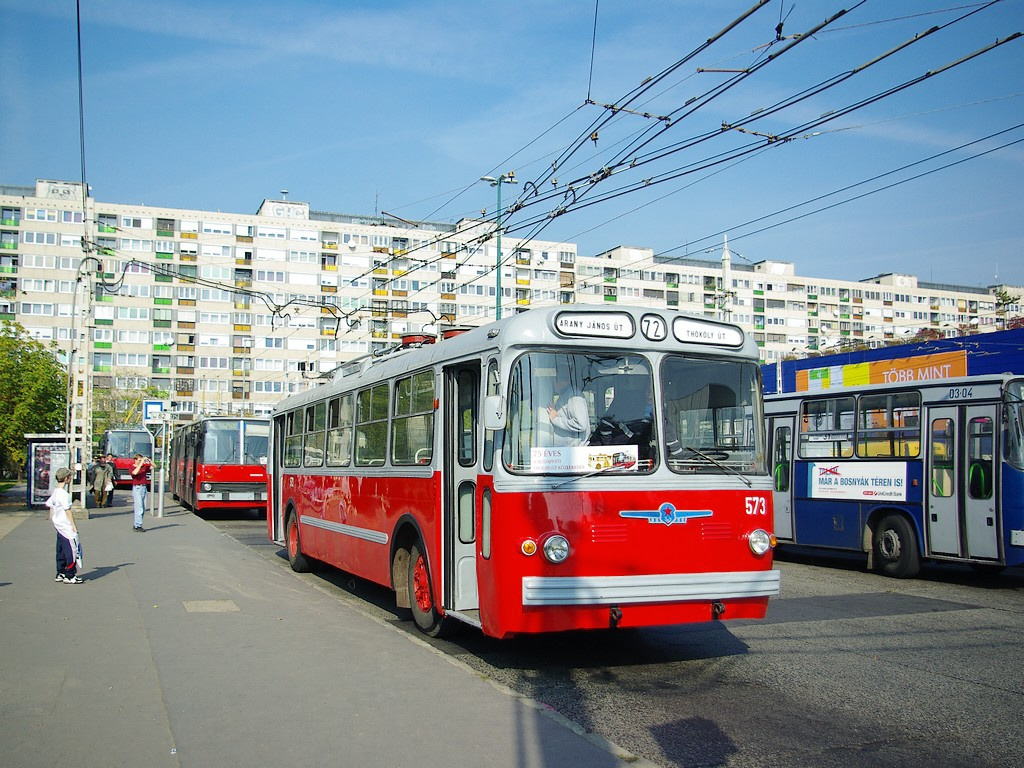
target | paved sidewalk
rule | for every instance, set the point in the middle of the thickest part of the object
(185, 648)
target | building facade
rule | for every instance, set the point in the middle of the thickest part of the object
(229, 312)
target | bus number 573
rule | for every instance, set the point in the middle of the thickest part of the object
(755, 505)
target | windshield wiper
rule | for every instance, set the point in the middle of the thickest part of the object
(720, 465)
(640, 464)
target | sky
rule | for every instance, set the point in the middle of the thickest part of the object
(665, 124)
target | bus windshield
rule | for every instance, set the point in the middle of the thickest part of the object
(580, 413)
(712, 418)
(124, 443)
(235, 442)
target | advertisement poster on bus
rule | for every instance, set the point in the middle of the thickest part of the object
(583, 458)
(858, 481)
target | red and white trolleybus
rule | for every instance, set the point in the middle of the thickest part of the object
(564, 468)
(219, 462)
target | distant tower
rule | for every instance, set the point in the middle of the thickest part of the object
(725, 294)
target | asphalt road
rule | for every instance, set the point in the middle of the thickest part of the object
(849, 669)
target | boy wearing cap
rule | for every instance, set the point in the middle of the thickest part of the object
(64, 522)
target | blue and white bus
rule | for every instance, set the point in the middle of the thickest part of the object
(905, 470)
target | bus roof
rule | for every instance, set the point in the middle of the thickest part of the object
(569, 326)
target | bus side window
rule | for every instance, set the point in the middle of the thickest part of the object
(372, 426)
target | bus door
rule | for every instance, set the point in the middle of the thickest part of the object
(461, 464)
(961, 489)
(781, 434)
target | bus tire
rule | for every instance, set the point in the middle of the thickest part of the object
(895, 548)
(297, 560)
(421, 597)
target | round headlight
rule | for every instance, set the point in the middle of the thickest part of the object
(556, 548)
(207, 487)
(760, 541)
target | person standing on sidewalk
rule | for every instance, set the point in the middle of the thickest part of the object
(140, 485)
(103, 481)
(113, 474)
(64, 523)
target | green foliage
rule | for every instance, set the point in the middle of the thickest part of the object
(33, 391)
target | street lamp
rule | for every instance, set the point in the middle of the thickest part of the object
(507, 178)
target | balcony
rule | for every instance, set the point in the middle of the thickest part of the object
(165, 233)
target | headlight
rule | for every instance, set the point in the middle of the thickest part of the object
(207, 487)
(556, 548)
(760, 541)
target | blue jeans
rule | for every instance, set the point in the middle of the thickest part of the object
(139, 497)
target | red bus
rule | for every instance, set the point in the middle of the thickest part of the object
(124, 444)
(466, 475)
(219, 462)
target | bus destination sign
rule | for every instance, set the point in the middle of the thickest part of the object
(695, 331)
(608, 325)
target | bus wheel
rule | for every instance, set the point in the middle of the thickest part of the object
(421, 598)
(296, 559)
(896, 548)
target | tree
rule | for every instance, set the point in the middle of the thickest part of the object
(33, 392)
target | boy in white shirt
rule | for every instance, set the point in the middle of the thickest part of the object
(64, 522)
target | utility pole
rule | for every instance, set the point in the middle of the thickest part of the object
(80, 379)
(507, 178)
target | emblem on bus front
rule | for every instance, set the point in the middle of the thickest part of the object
(666, 514)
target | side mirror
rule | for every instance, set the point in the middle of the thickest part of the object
(494, 412)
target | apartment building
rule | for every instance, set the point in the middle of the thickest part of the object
(228, 312)
(791, 314)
